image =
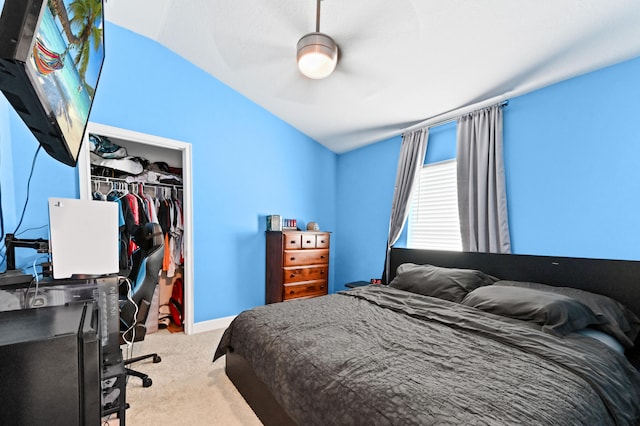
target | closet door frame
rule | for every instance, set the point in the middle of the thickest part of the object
(84, 184)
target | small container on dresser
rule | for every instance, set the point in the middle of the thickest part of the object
(297, 265)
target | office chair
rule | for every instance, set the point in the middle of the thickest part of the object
(144, 275)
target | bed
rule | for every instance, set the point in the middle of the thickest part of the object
(400, 354)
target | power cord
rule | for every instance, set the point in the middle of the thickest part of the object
(36, 275)
(24, 208)
(35, 228)
(26, 201)
(131, 328)
(29, 303)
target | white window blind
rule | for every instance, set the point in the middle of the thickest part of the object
(433, 219)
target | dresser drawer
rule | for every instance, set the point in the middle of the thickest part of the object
(322, 240)
(307, 273)
(292, 240)
(309, 288)
(305, 257)
(310, 241)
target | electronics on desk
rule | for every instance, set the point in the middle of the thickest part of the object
(83, 237)
(13, 276)
(83, 241)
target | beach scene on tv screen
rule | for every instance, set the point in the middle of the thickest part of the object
(65, 63)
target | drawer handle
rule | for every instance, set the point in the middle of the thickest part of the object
(292, 292)
(292, 276)
(321, 287)
(322, 257)
(308, 241)
(321, 272)
(293, 241)
(321, 241)
(293, 258)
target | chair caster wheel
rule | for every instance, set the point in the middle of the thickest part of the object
(156, 359)
(146, 382)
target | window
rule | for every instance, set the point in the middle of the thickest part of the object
(433, 219)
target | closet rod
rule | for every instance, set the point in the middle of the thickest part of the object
(103, 179)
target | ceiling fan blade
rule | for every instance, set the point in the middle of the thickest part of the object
(377, 19)
(295, 87)
(252, 34)
(266, 19)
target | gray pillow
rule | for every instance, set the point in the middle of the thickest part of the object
(620, 322)
(444, 283)
(556, 313)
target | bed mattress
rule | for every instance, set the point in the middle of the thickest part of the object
(381, 356)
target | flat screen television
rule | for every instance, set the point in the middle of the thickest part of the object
(51, 56)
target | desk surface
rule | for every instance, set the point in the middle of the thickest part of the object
(27, 325)
(14, 278)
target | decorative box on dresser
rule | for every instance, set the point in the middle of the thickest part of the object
(297, 264)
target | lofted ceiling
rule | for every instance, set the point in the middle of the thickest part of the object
(401, 62)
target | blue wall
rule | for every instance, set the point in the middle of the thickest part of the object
(442, 143)
(571, 153)
(242, 165)
(572, 166)
(366, 178)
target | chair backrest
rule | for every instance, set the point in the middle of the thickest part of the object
(144, 276)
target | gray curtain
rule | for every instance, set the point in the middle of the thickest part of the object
(414, 146)
(482, 199)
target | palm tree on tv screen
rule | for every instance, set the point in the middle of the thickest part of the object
(85, 19)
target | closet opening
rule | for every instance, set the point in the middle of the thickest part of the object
(150, 177)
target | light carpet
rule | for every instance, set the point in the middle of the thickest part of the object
(188, 388)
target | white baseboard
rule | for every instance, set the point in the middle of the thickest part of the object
(210, 325)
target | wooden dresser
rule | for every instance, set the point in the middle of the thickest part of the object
(297, 264)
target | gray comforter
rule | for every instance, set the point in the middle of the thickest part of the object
(380, 356)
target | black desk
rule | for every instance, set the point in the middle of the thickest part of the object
(102, 290)
(17, 299)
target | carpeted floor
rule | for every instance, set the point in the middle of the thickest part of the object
(188, 389)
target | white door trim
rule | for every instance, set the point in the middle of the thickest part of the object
(84, 183)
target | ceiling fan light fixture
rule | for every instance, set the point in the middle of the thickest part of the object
(317, 55)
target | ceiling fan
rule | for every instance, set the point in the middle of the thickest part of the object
(317, 52)
(260, 37)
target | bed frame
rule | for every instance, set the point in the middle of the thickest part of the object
(618, 279)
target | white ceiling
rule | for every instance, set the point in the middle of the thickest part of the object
(401, 61)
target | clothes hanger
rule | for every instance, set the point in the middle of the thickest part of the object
(97, 192)
(123, 189)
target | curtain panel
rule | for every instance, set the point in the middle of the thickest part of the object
(412, 151)
(482, 199)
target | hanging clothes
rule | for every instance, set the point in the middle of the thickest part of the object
(137, 208)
